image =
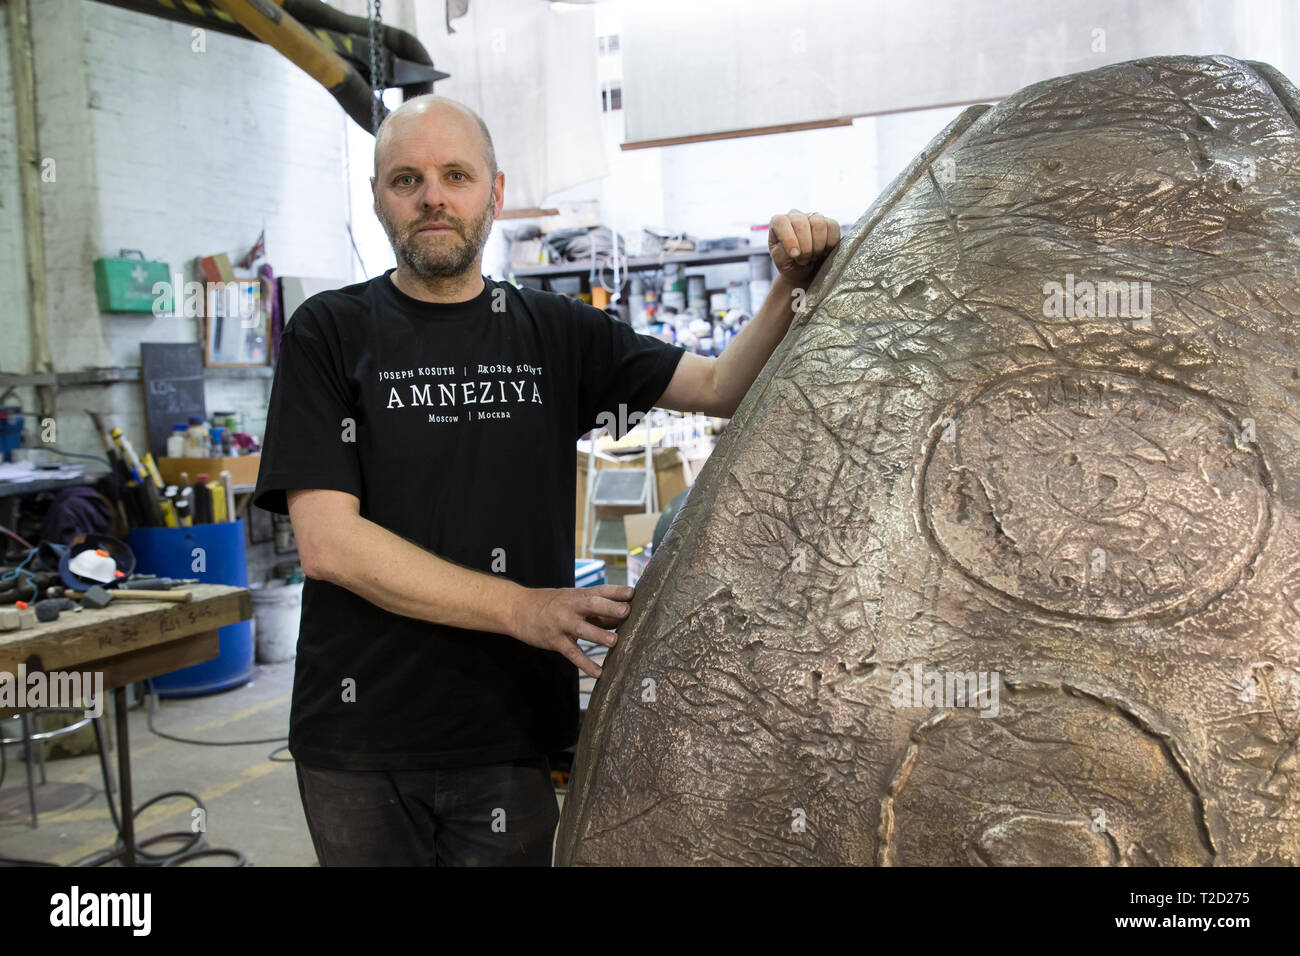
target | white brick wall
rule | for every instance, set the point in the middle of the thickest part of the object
(177, 152)
(198, 150)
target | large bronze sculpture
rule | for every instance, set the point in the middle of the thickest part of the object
(999, 561)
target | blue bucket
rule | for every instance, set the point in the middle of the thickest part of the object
(170, 552)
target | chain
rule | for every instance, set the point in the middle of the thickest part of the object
(374, 22)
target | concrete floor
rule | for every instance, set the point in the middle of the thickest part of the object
(252, 801)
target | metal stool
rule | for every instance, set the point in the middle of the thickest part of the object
(31, 740)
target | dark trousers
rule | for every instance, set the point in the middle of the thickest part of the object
(499, 815)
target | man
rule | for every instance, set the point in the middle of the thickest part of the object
(421, 437)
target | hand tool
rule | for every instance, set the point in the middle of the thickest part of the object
(49, 609)
(98, 597)
(228, 484)
(151, 583)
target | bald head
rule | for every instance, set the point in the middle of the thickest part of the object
(428, 116)
(437, 189)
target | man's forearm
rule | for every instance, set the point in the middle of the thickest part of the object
(742, 360)
(398, 576)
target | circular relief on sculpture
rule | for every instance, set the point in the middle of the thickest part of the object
(1095, 494)
(1105, 791)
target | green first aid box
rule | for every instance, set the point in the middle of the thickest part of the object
(126, 284)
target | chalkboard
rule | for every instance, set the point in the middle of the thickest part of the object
(172, 375)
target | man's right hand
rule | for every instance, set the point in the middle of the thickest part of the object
(555, 618)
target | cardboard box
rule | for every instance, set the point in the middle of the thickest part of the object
(216, 268)
(640, 529)
(672, 476)
(243, 470)
(694, 466)
(527, 252)
(697, 453)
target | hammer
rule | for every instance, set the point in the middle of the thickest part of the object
(98, 597)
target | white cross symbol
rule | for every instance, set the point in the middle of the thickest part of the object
(138, 274)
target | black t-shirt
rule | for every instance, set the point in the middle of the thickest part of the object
(454, 424)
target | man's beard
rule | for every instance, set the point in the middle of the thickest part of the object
(427, 256)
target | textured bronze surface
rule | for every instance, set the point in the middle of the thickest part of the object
(999, 561)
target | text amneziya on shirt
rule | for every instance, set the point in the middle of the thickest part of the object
(443, 394)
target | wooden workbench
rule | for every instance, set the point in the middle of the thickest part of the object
(128, 642)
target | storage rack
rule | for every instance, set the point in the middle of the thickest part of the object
(590, 269)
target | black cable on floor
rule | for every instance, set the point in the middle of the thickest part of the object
(194, 848)
(201, 743)
(216, 743)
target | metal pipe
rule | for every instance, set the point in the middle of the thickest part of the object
(318, 26)
(124, 777)
(27, 755)
(402, 44)
(195, 13)
(273, 26)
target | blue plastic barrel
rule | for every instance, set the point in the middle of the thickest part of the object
(170, 552)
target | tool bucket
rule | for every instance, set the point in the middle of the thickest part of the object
(213, 553)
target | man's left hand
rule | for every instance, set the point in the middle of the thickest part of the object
(799, 242)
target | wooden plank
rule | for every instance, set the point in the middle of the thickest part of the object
(92, 635)
(531, 213)
(146, 663)
(738, 133)
(150, 662)
(795, 127)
